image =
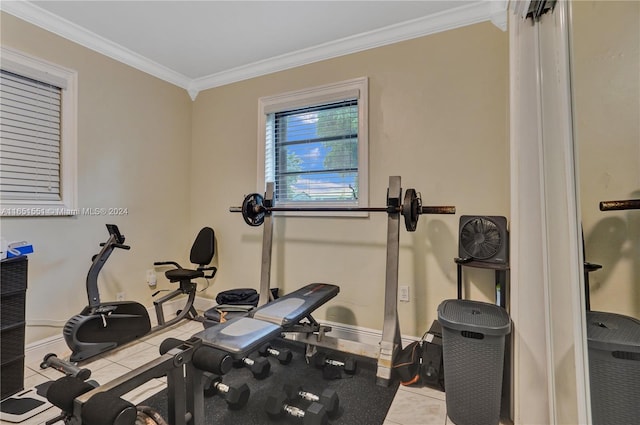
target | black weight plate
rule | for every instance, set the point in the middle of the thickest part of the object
(411, 208)
(253, 210)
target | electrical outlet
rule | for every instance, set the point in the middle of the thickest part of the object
(120, 296)
(152, 279)
(403, 293)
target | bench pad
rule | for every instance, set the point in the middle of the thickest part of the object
(239, 336)
(242, 335)
(289, 309)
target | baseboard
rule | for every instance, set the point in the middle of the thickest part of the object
(35, 351)
(203, 304)
(361, 334)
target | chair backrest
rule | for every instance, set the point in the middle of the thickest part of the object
(203, 247)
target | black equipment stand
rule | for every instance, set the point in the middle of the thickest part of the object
(501, 272)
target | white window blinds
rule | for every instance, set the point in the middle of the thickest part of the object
(30, 138)
(312, 153)
(313, 144)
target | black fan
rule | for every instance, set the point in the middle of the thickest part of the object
(483, 238)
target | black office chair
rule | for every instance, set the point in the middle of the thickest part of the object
(202, 252)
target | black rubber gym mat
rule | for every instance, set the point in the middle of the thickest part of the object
(361, 400)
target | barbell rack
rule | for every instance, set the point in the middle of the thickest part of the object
(257, 210)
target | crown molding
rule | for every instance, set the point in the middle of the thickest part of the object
(498, 13)
(46, 20)
(494, 11)
(480, 11)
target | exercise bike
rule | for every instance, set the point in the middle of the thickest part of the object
(101, 327)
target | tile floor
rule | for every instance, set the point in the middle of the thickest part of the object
(411, 406)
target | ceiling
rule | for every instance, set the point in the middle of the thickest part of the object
(202, 44)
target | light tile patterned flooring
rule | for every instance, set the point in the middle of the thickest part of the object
(411, 406)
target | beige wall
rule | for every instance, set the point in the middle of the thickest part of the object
(134, 135)
(606, 52)
(438, 117)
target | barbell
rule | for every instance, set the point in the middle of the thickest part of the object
(254, 211)
(629, 204)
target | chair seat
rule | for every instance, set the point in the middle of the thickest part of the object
(177, 275)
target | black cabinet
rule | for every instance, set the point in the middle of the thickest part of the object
(13, 289)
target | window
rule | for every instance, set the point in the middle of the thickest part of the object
(37, 137)
(313, 146)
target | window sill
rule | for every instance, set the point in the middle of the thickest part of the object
(325, 214)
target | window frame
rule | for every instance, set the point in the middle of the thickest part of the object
(25, 65)
(320, 95)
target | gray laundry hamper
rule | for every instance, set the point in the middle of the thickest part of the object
(614, 368)
(473, 343)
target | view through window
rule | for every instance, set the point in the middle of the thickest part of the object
(315, 145)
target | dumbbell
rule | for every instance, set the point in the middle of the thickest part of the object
(260, 367)
(277, 407)
(329, 398)
(69, 369)
(349, 365)
(236, 397)
(283, 355)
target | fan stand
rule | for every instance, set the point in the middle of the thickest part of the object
(588, 268)
(501, 271)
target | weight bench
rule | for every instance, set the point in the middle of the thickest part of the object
(242, 335)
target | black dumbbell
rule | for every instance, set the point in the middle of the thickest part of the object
(260, 367)
(236, 397)
(277, 407)
(329, 398)
(349, 365)
(69, 369)
(283, 355)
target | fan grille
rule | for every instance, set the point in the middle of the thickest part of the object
(480, 238)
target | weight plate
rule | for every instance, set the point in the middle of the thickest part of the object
(411, 209)
(149, 416)
(253, 210)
